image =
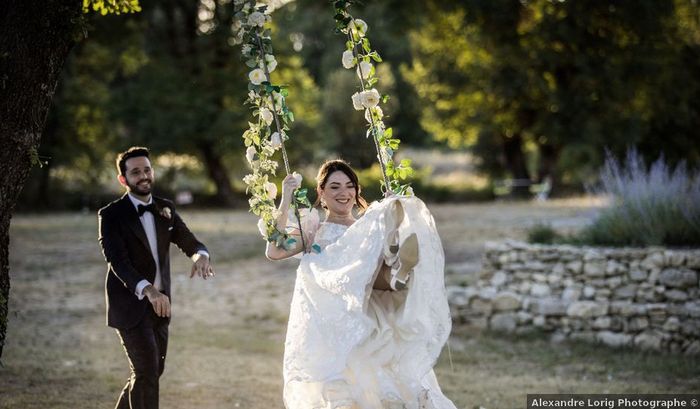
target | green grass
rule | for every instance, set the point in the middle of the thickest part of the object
(227, 335)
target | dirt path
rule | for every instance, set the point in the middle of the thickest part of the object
(227, 334)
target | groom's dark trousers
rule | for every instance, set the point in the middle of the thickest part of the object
(126, 248)
(146, 346)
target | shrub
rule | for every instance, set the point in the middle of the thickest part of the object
(655, 206)
(543, 233)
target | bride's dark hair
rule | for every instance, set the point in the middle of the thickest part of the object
(331, 166)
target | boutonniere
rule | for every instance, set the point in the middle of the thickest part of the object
(165, 212)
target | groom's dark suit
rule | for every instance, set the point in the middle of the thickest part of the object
(130, 260)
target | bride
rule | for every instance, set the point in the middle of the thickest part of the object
(369, 314)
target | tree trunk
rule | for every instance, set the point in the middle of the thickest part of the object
(36, 38)
(219, 174)
(515, 163)
(549, 156)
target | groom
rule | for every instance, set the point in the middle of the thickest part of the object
(135, 235)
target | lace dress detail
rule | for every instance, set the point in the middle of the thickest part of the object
(349, 346)
(328, 233)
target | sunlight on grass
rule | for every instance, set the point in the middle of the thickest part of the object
(227, 335)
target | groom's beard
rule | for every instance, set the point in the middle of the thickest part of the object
(141, 190)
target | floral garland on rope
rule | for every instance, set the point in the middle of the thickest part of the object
(268, 102)
(358, 53)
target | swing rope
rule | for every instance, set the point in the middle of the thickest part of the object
(373, 125)
(261, 50)
(294, 204)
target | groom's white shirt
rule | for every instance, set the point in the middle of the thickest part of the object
(149, 226)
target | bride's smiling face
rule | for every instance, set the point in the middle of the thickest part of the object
(338, 193)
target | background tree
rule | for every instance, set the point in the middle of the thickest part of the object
(36, 39)
(307, 27)
(172, 80)
(549, 84)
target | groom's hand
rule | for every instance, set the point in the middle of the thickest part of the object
(159, 301)
(202, 268)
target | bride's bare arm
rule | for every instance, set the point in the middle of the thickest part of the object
(272, 251)
(276, 253)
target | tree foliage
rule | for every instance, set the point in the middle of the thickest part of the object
(170, 78)
(534, 89)
(566, 78)
(105, 7)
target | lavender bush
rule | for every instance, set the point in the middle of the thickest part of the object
(658, 205)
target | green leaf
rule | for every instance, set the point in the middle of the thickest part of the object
(365, 45)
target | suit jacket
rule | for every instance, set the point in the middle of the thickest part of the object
(129, 258)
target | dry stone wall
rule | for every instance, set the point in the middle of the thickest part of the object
(645, 298)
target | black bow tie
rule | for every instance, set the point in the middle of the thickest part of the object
(146, 208)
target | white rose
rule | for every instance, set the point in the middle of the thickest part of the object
(262, 227)
(256, 19)
(376, 112)
(236, 25)
(250, 154)
(276, 140)
(276, 213)
(359, 26)
(348, 59)
(271, 189)
(370, 98)
(266, 115)
(237, 39)
(271, 62)
(278, 100)
(257, 76)
(364, 69)
(357, 101)
(297, 177)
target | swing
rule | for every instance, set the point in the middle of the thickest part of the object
(269, 106)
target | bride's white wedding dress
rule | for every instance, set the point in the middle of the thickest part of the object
(350, 346)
